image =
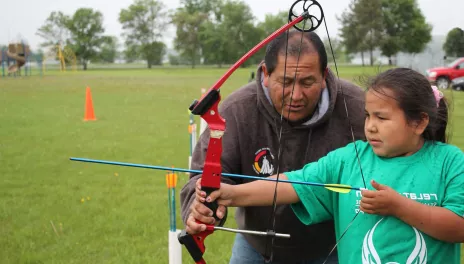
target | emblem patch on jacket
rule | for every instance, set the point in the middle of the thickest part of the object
(263, 163)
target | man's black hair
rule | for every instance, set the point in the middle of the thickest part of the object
(311, 42)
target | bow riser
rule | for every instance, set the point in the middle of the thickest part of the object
(211, 177)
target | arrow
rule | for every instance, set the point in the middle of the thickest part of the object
(339, 188)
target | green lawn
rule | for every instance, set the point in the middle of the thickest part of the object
(142, 118)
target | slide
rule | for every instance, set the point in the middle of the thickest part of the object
(20, 61)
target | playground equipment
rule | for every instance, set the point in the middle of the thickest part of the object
(63, 55)
(14, 58)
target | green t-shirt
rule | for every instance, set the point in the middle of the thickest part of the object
(434, 176)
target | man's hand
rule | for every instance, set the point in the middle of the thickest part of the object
(200, 212)
(383, 201)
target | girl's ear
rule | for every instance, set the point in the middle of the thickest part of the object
(421, 125)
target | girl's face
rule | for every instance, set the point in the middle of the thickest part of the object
(387, 128)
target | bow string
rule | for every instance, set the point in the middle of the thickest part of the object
(314, 23)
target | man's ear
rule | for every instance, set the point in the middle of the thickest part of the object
(324, 77)
(266, 75)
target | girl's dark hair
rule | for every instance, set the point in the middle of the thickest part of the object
(415, 96)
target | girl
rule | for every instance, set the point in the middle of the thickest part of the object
(415, 211)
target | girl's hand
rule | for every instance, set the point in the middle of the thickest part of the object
(200, 212)
(223, 196)
(383, 201)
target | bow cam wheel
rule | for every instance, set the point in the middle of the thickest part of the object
(312, 11)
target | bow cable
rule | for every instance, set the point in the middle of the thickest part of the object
(274, 203)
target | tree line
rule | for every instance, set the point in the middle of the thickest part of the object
(218, 32)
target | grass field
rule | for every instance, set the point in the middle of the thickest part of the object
(142, 117)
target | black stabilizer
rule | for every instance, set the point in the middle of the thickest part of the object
(189, 242)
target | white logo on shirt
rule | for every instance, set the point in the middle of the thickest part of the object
(370, 255)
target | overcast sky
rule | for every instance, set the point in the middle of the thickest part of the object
(21, 19)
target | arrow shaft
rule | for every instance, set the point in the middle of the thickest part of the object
(126, 164)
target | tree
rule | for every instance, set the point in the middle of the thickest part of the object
(154, 52)
(210, 7)
(417, 35)
(192, 19)
(271, 23)
(55, 31)
(337, 49)
(188, 29)
(212, 43)
(369, 24)
(131, 53)
(109, 50)
(405, 28)
(236, 32)
(143, 23)
(351, 32)
(454, 43)
(86, 27)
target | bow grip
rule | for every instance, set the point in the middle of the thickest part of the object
(213, 206)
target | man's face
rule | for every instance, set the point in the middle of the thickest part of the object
(386, 127)
(300, 93)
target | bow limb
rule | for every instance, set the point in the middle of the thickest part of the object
(208, 108)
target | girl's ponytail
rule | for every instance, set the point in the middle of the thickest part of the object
(442, 121)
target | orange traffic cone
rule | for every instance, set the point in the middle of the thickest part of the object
(89, 114)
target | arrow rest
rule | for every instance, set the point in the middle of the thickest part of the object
(314, 21)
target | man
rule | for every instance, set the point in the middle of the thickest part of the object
(314, 123)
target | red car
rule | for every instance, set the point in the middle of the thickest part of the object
(443, 76)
